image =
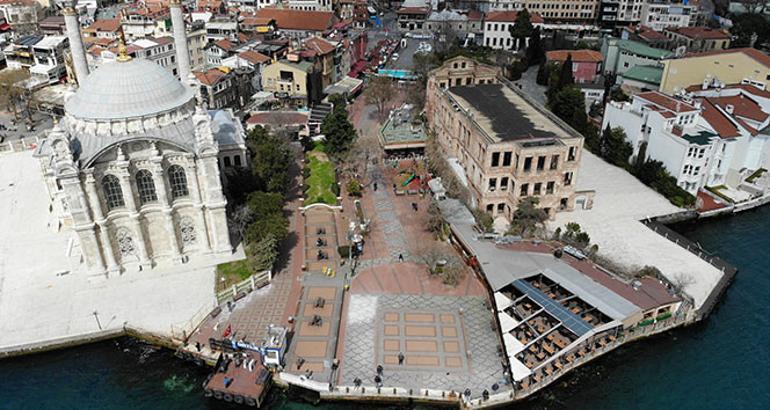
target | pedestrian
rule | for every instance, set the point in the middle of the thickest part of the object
(400, 257)
(379, 369)
(198, 346)
(375, 186)
(378, 381)
(400, 358)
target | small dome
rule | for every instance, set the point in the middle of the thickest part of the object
(127, 89)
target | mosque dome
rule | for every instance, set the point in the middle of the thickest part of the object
(127, 89)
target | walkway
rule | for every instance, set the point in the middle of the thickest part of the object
(621, 201)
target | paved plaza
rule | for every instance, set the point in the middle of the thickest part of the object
(447, 342)
(613, 223)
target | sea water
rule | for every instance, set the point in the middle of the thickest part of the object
(723, 363)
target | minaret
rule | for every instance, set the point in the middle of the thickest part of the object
(76, 42)
(180, 39)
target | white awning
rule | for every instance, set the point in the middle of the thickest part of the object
(512, 345)
(502, 301)
(507, 323)
(520, 372)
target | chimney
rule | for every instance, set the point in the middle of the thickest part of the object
(180, 39)
(72, 24)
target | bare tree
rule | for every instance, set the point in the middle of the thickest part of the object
(682, 281)
(12, 94)
(379, 93)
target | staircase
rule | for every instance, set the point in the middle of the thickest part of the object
(317, 115)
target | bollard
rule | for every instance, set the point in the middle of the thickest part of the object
(347, 389)
(394, 390)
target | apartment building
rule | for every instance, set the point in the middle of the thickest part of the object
(705, 137)
(698, 39)
(661, 15)
(586, 64)
(501, 147)
(724, 66)
(615, 13)
(42, 56)
(621, 55)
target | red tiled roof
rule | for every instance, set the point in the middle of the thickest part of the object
(648, 33)
(583, 56)
(475, 15)
(298, 19)
(705, 33)
(225, 44)
(718, 121)
(256, 21)
(757, 55)
(108, 25)
(742, 106)
(667, 102)
(746, 88)
(254, 57)
(319, 45)
(510, 17)
(210, 76)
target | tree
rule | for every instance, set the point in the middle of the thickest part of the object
(12, 94)
(337, 129)
(569, 105)
(573, 234)
(264, 253)
(617, 94)
(379, 93)
(435, 219)
(565, 74)
(542, 74)
(522, 28)
(267, 217)
(484, 220)
(354, 188)
(750, 30)
(527, 217)
(535, 51)
(615, 147)
(271, 159)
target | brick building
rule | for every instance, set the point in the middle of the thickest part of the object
(502, 147)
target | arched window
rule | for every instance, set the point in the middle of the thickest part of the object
(112, 192)
(178, 181)
(146, 187)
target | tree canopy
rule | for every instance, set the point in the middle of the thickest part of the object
(569, 105)
(379, 92)
(614, 146)
(535, 50)
(271, 159)
(522, 28)
(338, 129)
(527, 217)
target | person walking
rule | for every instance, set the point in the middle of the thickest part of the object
(400, 358)
(400, 257)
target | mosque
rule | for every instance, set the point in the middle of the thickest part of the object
(133, 167)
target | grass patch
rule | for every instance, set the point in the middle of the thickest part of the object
(758, 173)
(230, 273)
(322, 180)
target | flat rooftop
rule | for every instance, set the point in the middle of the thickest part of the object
(402, 131)
(503, 114)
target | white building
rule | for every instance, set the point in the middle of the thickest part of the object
(42, 56)
(662, 15)
(497, 25)
(158, 50)
(704, 138)
(309, 5)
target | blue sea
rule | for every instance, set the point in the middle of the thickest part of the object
(723, 363)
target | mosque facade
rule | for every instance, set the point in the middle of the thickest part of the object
(133, 167)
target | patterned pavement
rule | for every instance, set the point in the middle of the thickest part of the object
(480, 368)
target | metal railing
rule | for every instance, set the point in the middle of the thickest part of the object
(19, 145)
(254, 281)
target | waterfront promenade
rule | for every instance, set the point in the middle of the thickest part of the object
(613, 223)
(46, 298)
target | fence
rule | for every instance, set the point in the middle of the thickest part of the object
(182, 330)
(19, 145)
(254, 281)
